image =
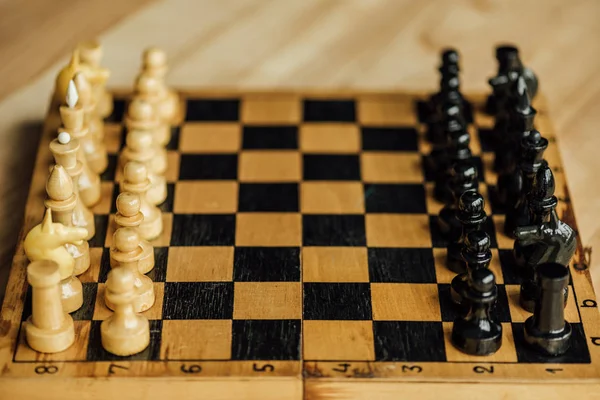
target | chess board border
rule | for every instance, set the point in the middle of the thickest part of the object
(290, 379)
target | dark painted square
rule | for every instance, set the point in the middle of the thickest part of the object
(212, 110)
(578, 353)
(337, 301)
(423, 109)
(395, 198)
(264, 197)
(451, 311)
(331, 167)
(101, 225)
(266, 339)
(174, 142)
(486, 138)
(104, 265)
(490, 229)
(409, 341)
(266, 264)
(208, 166)
(270, 137)
(329, 110)
(203, 230)
(118, 111)
(390, 139)
(159, 272)
(497, 208)
(333, 230)
(510, 270)
(109, 173)
(401, 265)
(198, 300)
(437, 238)
(113, 200)
(96, 352)
(86, 312)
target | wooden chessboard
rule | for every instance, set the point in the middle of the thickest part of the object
(300, 259)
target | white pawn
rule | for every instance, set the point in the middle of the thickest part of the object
(49, 329)
(135, 180)
(124, 333)
(127, 252)
(154, 64)
(141, 115)
(140, 147)
(129, 216)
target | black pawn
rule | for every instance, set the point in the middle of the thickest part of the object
(479, 333)
(463, 179)
(449, 83)
(472, 216)
(477, 255)
(547, 331)
(458, 150)
(517, 196)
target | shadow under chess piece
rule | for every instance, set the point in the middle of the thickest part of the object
(49, 329)
(129, 216)
(472, 216)
(127, 252)
(46, 242)
(477, 255)
(124, 333)
(546, 330)
(479, 333)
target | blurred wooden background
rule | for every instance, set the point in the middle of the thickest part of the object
(372, 44)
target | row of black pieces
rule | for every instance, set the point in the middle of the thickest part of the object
(228, 110)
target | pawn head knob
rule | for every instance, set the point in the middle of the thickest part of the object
(128, 204)
(482, 280)
(135, 172)
(477, 242)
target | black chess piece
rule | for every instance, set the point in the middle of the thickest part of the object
(546, 330)
(449, 87)
(449, 119)
(521, 117)
(472, 216)
(546, 240)
(517, 204)
(479, 333)
(463, 178)
(457, 150)
(477, 255)
(509, 64)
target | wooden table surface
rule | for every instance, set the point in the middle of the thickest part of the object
(370, 44)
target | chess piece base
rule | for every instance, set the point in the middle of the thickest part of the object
(146, 263)
(71, 294)
(144, 295)
(50, 341)
(552, 344)
(470, 342)
(81, 254)
(125, 342)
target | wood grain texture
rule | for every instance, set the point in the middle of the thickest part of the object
(316, 43)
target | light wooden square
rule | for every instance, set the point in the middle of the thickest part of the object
(395, 230)
(332, 198)
(196, 340)
(444, 275)
(173, 161)
(381, 167)
(210, 138)
(506, 353)
(405, 302)
(101, 312)
(330, 138)
(112, 137)
(387, 111)
(91, 275)
(335, 264)
(491, 176)
(338, 340)
(271, 110)
(268, 229)
(205, 197)
(270, 166)
(200, 264)
(518, 314)
(267, 300)
(77, 351)
(106, 198)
